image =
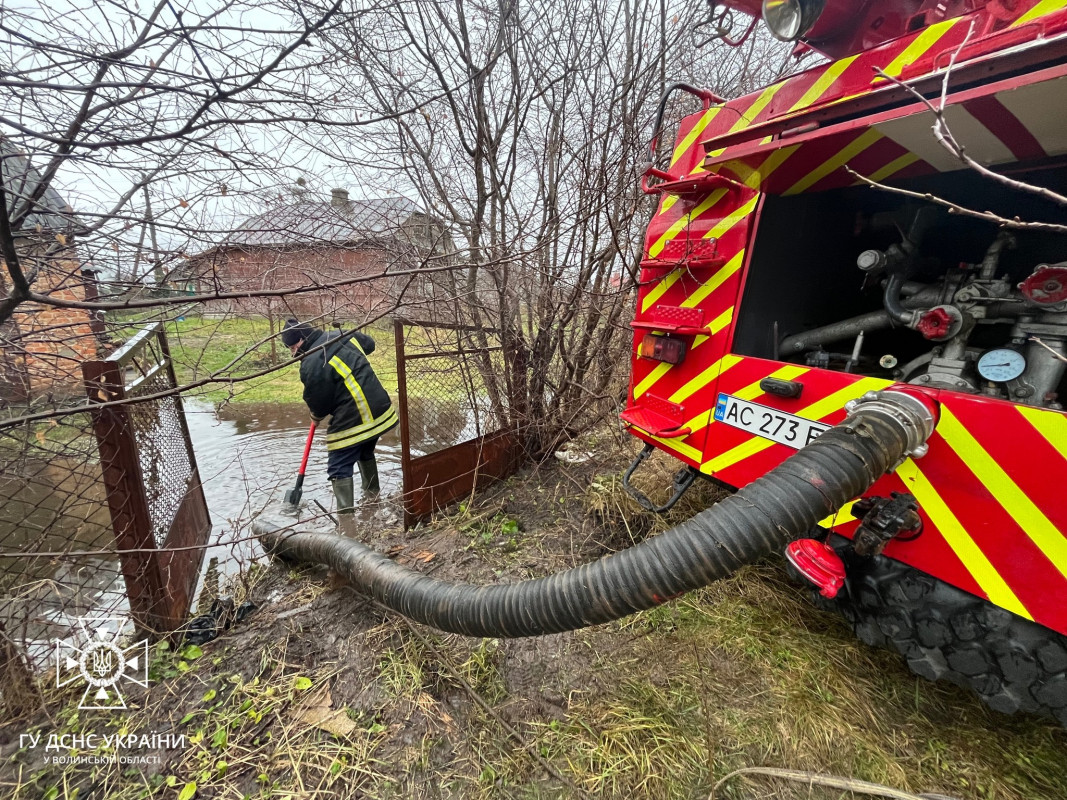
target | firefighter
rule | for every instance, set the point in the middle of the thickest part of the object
(340, 383)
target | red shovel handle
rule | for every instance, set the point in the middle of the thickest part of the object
(307, 450)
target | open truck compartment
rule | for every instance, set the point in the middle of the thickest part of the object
(988, 303)
(779, 285)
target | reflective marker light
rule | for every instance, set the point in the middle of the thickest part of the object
(788, 20)
(662, 348)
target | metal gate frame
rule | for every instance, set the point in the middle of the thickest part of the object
(160, 575)
(432, 481)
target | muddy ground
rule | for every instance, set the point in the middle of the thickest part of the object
(321, 693)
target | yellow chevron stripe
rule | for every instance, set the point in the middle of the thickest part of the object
(668, 203)
(956, 536)
(683, 221)
(727, 223)
(815, 411)
(753, 177)
(917, 49)
(722, 274)
(748, 116)
(657, 291)
(851, 150)
(714, 326)
(705, 377)
(774, 160)
(717, 324)
(694, 133)
(1050, 424)
(742, 172)
(893, 167)
(1040, 10)
(1012, 499)
(824, 82)
(700, 422)
(660, 370)
(844, 514)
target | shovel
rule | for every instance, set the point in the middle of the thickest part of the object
(292, 497)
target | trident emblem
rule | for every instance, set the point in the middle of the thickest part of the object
(101, 663)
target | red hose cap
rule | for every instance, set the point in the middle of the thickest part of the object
(818, 563)
(1047, 286)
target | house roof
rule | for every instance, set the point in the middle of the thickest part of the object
(20, 179)
(319, 221)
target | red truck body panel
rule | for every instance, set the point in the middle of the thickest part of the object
(992, 487)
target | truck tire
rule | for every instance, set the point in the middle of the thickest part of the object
(945, 633)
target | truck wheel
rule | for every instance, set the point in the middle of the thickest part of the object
(945, 633)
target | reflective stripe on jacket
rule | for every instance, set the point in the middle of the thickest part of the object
(339, 382)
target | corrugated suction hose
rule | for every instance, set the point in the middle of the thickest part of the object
(881, 429)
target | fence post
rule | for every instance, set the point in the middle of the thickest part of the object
(402, 410)
(124, 484)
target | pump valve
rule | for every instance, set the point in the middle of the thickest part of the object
(885, 518)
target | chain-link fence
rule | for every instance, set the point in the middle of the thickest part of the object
(53, 509)
(158, 429)
(102, 512)
(458, 412)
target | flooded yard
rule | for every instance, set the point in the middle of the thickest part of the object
(247, 454)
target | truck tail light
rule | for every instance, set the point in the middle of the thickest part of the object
(662, 348)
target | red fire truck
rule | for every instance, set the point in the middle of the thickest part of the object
(894, 215)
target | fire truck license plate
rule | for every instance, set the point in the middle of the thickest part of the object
(787, 429)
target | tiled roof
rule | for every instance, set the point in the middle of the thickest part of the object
(20, 179)
(307, 222)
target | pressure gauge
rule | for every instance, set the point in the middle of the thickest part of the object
(1001, 365)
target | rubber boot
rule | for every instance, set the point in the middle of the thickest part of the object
(347, 525)
(344, 492)
(368, 472)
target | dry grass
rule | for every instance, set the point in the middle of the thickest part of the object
(322, 694)
(746, 673)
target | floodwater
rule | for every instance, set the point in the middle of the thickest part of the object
(247, 455)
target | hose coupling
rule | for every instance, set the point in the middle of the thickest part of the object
(914, 411)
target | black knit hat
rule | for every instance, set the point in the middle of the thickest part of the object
(294, 331)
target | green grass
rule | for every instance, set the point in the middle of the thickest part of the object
(747, 673)
(234, 347)
(742, 674)
(661, 705)
(231, 348)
